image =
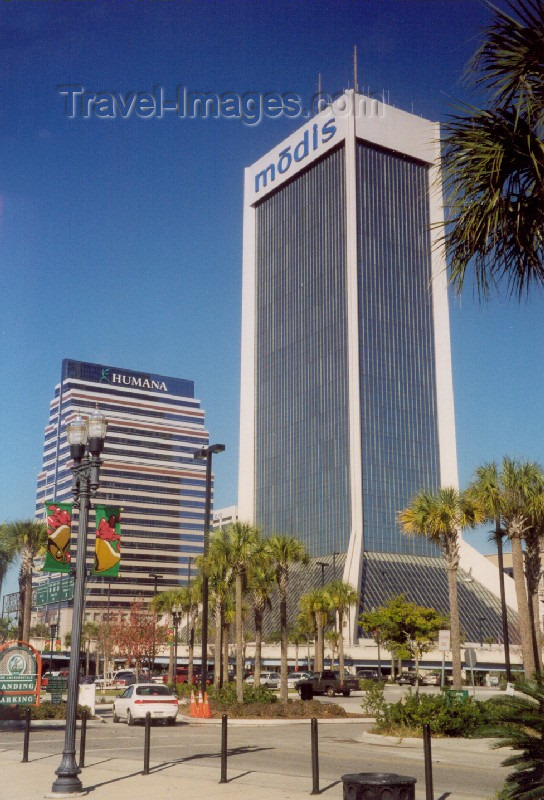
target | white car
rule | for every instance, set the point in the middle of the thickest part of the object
(136, 700)
(269, 679)
(294, 677)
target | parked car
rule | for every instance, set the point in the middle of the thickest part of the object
(431, 679)
(46, 676)
(328, 682)
(124, 677)
(139, 698)
(294, 677)
(369, 674)
(269, 679)
(407, 679)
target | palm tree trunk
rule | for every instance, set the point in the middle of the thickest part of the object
(319, 642)
(27, 561)
(455, 628)
(171, 665)
(191, 650)
(226, 629)
(283, 636)
(21, 610)
(532, 567)
(341, 644)
(523, 603)
(218, 654)
(258, 644)
(239, 641)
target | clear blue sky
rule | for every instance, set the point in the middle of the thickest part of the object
(120, 239)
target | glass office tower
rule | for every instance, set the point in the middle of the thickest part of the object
(347, 398)
(154, 426)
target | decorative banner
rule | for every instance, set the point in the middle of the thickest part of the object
(56, 645)
(59, 523)
(107, 552)
(170, 636)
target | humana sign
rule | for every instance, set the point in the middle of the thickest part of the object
(132, 380)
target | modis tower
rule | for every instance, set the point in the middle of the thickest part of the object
(347, 397)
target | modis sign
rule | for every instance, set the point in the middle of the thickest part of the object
(313, 138)
(294, 154)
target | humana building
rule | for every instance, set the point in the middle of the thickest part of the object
(347, 398)
(155, 424)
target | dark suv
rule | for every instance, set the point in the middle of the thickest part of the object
(407, 678)
(369, 674)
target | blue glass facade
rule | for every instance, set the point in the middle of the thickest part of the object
(399, 436)
(302, 447)
(302, 437)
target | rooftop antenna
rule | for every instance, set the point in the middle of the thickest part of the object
(355, 83)
(320, 102)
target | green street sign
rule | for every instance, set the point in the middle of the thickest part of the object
(56, 687)
(48, 593)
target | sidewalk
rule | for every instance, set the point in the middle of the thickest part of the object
(190, 780)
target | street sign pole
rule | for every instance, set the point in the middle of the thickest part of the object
(444, 645)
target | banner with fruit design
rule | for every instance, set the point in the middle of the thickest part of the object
(107, 551)
(59, 531)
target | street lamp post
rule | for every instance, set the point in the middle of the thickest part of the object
(322, 564)
(206, 453)
(504, 610)
(176, 619)
(156, 577)
(86, 440)
(52, 642)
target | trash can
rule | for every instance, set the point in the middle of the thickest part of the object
(378, 785)
(306, 691)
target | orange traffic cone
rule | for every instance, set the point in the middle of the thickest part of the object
(200, 704)
(206, 713)
(193, 712)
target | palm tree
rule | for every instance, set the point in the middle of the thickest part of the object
(297, 635)
(284, 550)
(219, 576)
(493, 159)
(27, 538)
(486, 490)
(342, 596)
(166, 603)
(261, 580)
(439, 517)
(520, 726)
(245, 541)
(521, 485)
(317, 603)
(89, 634)
(6, 559)
(332, 638)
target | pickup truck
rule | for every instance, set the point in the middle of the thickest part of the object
(328, 682)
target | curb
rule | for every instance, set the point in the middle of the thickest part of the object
(19, 725)
(275, 721)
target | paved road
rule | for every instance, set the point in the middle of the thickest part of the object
(464, 769)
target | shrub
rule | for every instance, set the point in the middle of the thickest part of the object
(519, 722)
(226, 696)
(43, 711)
(374, 700)
(446, 716)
